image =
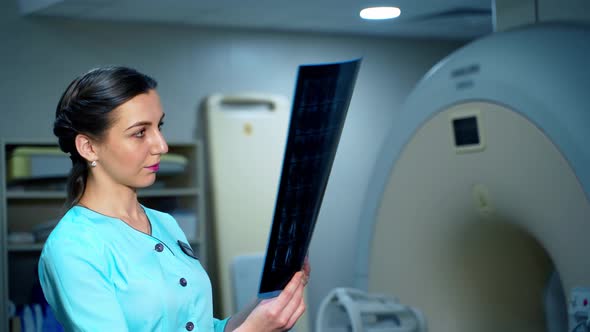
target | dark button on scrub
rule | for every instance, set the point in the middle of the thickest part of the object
(190, 326)
(159, 247)
(182, 282)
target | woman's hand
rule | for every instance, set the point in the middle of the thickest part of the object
(306, 269)
(282, 312)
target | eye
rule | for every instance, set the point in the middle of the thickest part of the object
(160, 125)
(140, 133)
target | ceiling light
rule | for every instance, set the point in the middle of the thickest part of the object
(380, 13)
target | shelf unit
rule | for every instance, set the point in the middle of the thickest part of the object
(21, 209)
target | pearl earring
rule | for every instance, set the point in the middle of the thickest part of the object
(93, 163)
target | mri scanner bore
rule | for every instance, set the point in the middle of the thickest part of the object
(478, 213)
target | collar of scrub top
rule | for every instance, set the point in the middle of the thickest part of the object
(185, 247)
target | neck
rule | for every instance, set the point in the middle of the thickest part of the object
(111, 199)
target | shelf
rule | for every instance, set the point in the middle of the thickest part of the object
(18, 194)
(13, 194)
(169, 192)
(25, 247)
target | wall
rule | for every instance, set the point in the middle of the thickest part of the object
(40, 56)
(510, 14)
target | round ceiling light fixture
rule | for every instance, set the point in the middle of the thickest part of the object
(380, 13)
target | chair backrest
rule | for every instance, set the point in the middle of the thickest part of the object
(246, 271)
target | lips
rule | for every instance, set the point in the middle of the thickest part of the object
(154, 168)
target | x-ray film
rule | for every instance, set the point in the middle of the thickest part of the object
(320, 104)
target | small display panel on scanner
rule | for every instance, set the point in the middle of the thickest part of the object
(466, 131)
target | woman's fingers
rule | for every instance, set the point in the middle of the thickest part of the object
(281, 313)
(275, 308)
(295, 301)
(306, 266)
(289, 291)
(306, 270)
(283, 309)
(298, 303)
(296, 315)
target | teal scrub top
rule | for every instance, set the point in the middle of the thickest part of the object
(100, 274)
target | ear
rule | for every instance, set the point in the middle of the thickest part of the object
(86, 148)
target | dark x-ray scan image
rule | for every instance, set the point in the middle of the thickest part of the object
(322, 96)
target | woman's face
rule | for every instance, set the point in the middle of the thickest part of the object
(130, 152)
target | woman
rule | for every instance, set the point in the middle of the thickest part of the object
(112, 264)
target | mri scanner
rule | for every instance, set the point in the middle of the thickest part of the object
(477, 212)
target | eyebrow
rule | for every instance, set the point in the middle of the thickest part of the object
(144, 123)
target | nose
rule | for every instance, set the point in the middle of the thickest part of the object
(160, 146)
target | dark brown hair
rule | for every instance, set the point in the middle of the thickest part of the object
(84, 109)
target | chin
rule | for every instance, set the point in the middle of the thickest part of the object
(144, 183)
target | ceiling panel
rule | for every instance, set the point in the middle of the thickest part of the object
(451, 19)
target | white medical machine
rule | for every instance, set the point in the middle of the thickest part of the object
(352, 310)
(478, 210)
